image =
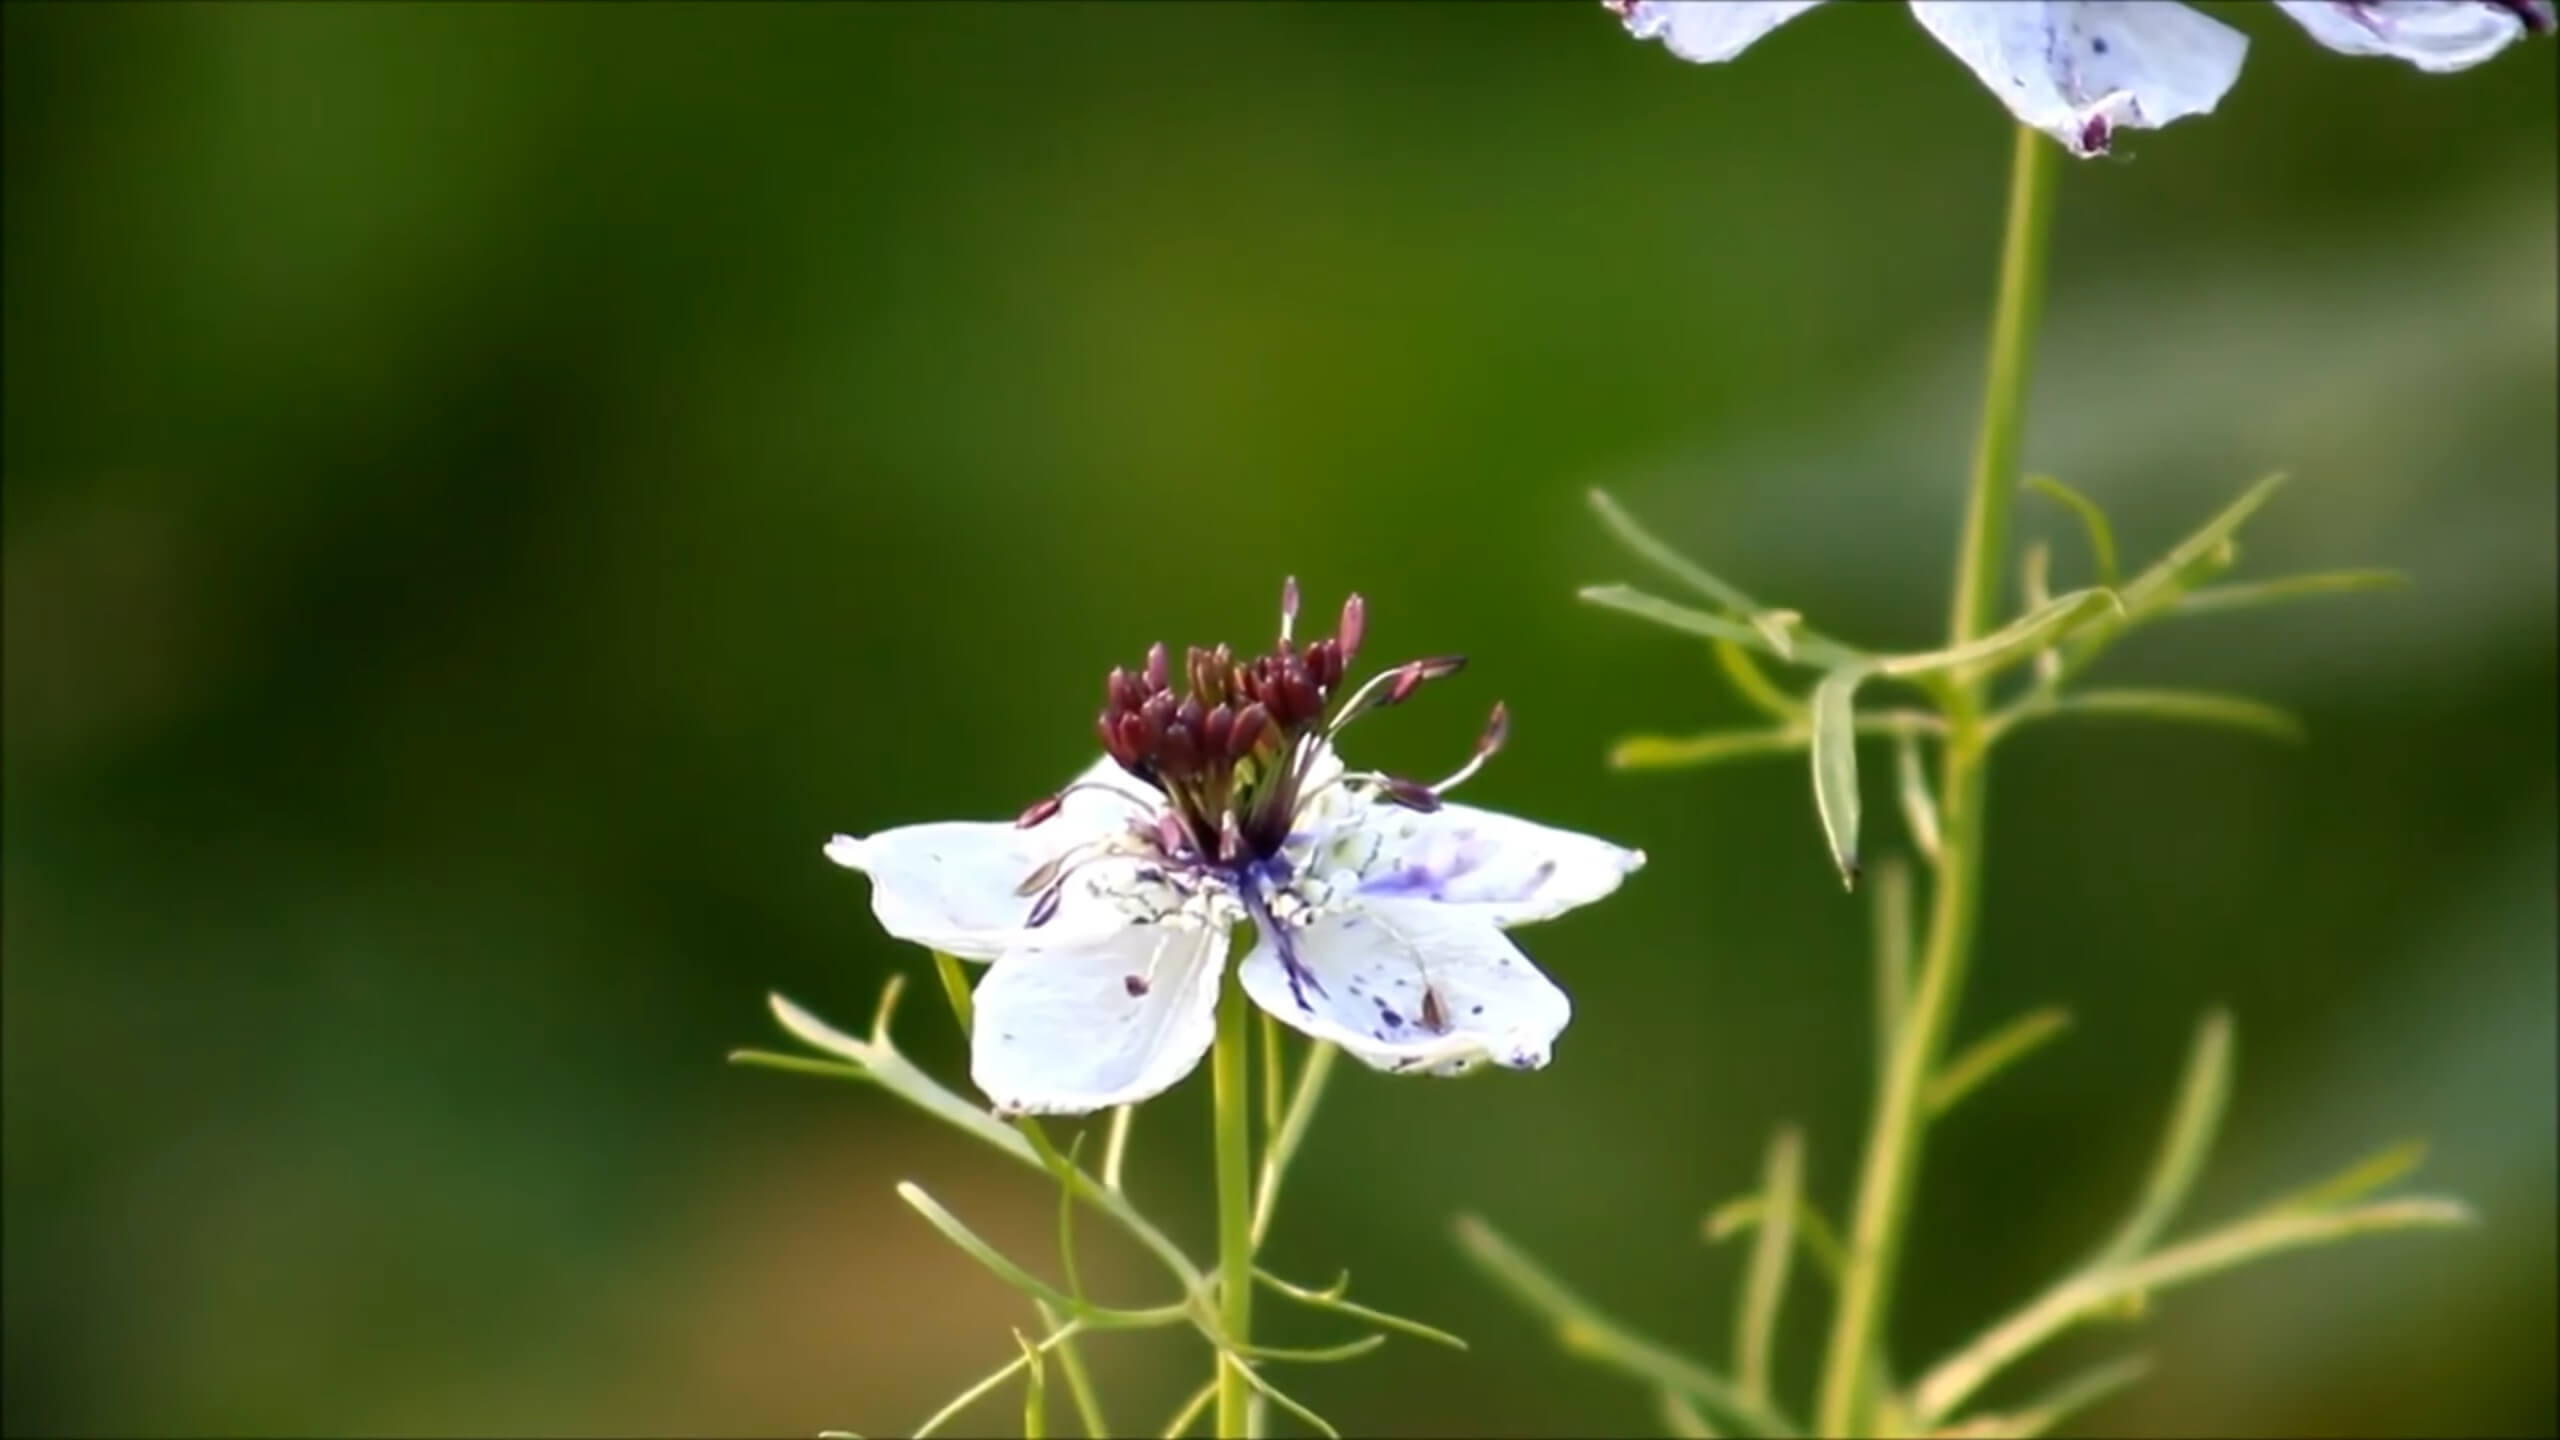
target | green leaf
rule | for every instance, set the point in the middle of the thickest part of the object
(1835, 766)
(1331, 1300)
(2194, 707)
(1642, 543)
(1681, 1418)
(2102, 537)
(1991, 1055)
(1679, 617)
(987, 1386)
(2092, 1291)
(2021, 638)
(1274, 1394)
(1892, 954)
(2199, 554)
(1093, 1316)
(1665, 752)
(1764, 1287)
(2080, 1392)
(1582, 1330)
(1807, 648)
(1911, 788)
(1079, 1381)
(1778, 627)
(2357, 1180)
(1754, 684)
(1035, 1391)
(2211, 598)
(2202, 1096)
(1192, 1408)
(1820, 1239)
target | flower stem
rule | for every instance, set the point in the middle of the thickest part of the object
(1892, 1165)
(1231, 1095)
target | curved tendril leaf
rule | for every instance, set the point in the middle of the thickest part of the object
(2077, 1394)
(1321, 1355)
(1668, 752)
(1035, 1391)
(2195, 707)
(2094, 1291)
(1643, 544)
(2199, 555)
(2093, 522)
(1764, 1287)
(1099, 1317)
(1820, 1240)
(2210, 598)
(2356, 1181)
(1992, 1054)
(1807, 648)
(1911, 788)
(1582, 1330)
(1285, 1138)
(1191, 1409)
(1891, 893)
(1681, 1418)
(1754, 685)
(2203, 1093)
(987, 1386)
(955, 989)
(1280, 1398)
(2044, 626)
(1331, 1299)
(1835, 765)
(1079, 1381)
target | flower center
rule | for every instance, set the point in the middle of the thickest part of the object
(1235, 752)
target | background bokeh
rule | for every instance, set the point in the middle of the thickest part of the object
(490, 489)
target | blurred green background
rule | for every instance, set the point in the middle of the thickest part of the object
(490, 489)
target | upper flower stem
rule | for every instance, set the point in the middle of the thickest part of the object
(1891, 1169)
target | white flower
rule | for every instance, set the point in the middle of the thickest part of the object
(1107, 911)
(2080, 70)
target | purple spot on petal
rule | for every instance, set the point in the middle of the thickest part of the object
(1136, 985)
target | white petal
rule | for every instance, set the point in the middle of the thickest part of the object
(2079, 70)
(1503, 869)
(1707, 31)
(956, 886)
(1366, 975)
(1066, 1031)
(2437, 35)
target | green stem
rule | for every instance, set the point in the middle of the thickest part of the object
(1231, 1091)
(1980, 565)
(1891, 1170)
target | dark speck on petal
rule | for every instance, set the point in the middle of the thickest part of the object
(1136, 985)
(2097, 44)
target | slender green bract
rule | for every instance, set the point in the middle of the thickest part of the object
(1892, 1166)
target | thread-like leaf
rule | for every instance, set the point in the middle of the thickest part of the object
(1681, 1418)
(2091, 1291)
(1911, 788)
(1820, 1238)
(1643, 544)
(2209, 598)
(2356, 1181)
(1835, 765)
(1093, 1316)
(1192, 1409)
(2202, 1095)
(2192, 707)
(1668, 752)
(1331, 1300)
(1992, 1054)
(1764, 1287)
(955, 989)
(1806, 647)
(2093, 523)
(1753, 683)
(2048, 624)
(1582, 1330)
(2201, 553)
(1892, 954)
(1035, 1391)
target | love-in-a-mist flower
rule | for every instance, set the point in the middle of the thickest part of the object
(2080, 70)
(1108, 910)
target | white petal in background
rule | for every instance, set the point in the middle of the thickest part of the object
(1708, 31)
(1064, 1032)
(2437, 35)
(1503, 869)
(1371, 969)
(2081, 69)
